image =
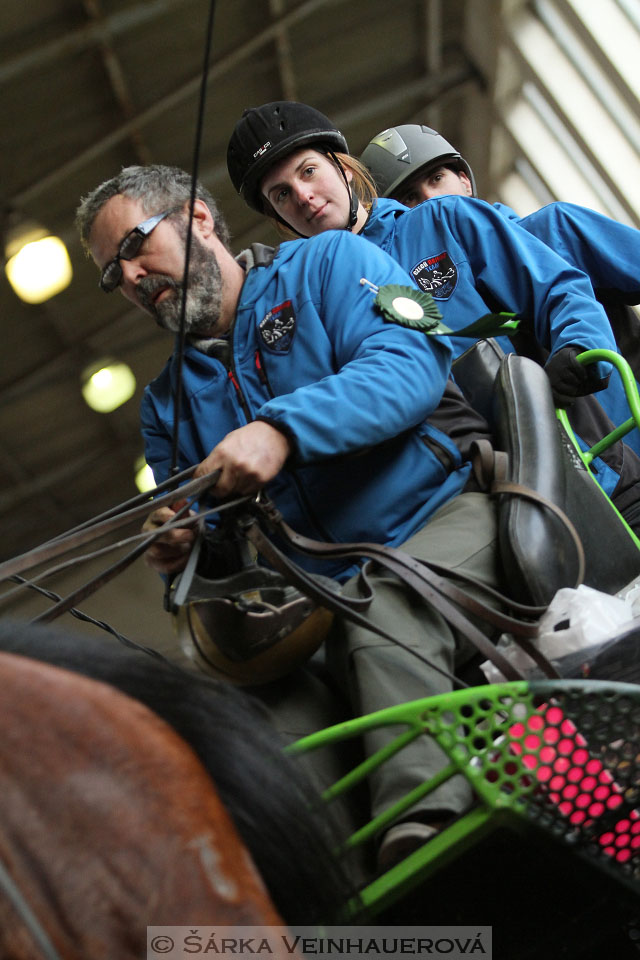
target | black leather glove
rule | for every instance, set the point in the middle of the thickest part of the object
(570, 379)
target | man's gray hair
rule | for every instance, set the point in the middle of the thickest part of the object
(156, 187)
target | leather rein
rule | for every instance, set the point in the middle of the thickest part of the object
(434, 583)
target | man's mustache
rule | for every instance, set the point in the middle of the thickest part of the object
(149, 287)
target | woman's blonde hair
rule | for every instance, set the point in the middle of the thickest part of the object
(362, 185)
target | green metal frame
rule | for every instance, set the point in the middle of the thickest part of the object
(630, 389)
(509, 740)
(633, 399)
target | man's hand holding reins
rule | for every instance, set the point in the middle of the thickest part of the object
(247, 457)
(170, 552)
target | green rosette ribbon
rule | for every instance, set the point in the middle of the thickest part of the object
(414, 308)
(410, 307)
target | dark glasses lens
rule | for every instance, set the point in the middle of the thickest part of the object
(111, 275)
(131, 244)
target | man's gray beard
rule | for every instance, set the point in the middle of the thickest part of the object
(204, 297)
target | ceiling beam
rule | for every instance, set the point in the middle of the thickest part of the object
(283, 49)
(170, 101)
(429, 88)
(115, 73)
(85, 37)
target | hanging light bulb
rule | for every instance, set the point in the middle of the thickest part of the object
(143, 475)
(37, 264)
(107, 385)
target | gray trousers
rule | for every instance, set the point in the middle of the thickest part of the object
(376, 674)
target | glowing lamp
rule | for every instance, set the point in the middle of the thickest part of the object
(38, 266)
(107, 385)
(143, 476)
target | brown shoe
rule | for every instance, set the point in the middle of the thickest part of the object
(401, 840)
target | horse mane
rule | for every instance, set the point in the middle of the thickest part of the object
(276, 810)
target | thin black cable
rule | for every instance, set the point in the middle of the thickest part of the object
(50, 595)
(180, 338)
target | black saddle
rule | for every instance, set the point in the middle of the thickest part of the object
(538, 550)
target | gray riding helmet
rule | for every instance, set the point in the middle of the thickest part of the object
(399, 153)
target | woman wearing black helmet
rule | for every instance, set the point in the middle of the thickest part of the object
(325, 188)
(288, 161)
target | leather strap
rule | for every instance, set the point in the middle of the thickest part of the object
(491, 470)
(519, 490)
(342, 606)
(80, 593)
(489, 465)
(422, 578)
(78, 538)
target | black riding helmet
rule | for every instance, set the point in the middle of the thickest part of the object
(268, 133)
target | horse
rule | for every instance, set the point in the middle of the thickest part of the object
(269, 796)
(109, 823)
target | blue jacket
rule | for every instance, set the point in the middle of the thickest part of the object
(608, 252)
(313, 356)
(473, 261)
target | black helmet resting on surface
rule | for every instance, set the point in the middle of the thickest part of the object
(399, 153)
(268, 133)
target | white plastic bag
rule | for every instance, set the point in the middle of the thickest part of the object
(574, 620)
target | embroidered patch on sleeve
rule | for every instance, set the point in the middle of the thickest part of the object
(436, 275)
(278, 327)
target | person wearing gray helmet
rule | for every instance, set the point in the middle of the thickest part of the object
(412, 163)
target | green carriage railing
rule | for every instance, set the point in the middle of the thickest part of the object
(623, 370)
(561, 757)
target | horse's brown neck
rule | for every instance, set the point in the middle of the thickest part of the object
(108, 822)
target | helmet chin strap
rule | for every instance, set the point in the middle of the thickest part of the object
(354, 203)
(289, 226)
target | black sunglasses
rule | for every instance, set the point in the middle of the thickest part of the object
(111, 275)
